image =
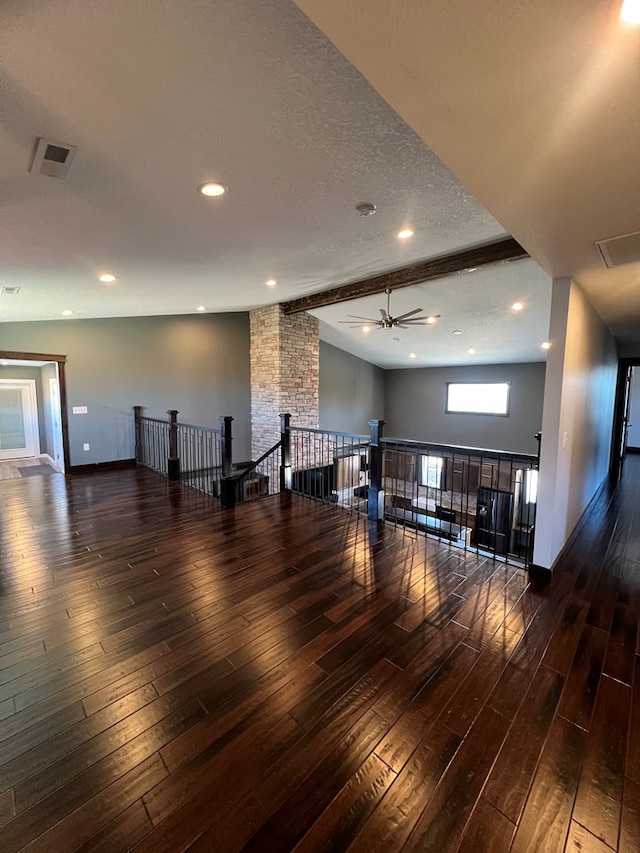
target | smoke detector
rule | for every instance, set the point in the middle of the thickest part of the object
(365, 208)
(52, 159)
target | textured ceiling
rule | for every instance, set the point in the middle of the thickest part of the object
(477, 304)
(534, 105)
(161, 96)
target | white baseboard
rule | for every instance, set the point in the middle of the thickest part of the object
(46, 458)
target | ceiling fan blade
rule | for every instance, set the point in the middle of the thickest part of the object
(421, 321)
(385, 317)
(408, 314)
(355, 317)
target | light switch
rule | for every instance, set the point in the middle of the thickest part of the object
(80, 410)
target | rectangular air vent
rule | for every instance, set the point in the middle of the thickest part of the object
(620, 250)
(52, 159)
(10, 291)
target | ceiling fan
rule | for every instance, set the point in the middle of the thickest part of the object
(386, 321)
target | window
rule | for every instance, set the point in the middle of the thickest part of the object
(431, 471)
(478, 398)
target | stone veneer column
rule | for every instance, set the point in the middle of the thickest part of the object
(285, 357)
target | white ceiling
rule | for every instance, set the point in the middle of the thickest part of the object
(161, 95)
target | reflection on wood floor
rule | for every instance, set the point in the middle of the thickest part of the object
(284, 676)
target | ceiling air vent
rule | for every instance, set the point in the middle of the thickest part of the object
(52, 159)
(620, 250)
(10, 291)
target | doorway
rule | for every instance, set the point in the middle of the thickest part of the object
(626, 419)
(48, 427)
(19, 436)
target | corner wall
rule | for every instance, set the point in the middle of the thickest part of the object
(577, 419)
(351, 391)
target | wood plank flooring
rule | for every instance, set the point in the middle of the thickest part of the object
(285, 677)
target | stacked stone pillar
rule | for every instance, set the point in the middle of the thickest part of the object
(285, 357)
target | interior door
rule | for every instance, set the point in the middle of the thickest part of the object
(18, 419)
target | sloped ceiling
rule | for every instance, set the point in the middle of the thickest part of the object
(162, 95)
(535, 106)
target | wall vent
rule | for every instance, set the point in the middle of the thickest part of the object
(52, 159)
(10, 291)
(620, 250)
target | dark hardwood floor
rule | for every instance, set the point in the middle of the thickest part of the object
(283, 677)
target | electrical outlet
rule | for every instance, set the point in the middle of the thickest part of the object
(86, 447)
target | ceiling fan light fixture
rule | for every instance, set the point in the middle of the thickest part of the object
(386, 321)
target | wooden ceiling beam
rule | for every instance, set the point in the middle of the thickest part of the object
(490, 253)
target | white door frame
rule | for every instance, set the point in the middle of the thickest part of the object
(30, 413)
(56, 423)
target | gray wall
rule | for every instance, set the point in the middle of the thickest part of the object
(579, 402)
(198, 364)
(415, 402)
(351, 391)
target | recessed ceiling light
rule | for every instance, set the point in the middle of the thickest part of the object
(517, 306)
(546, 345)
(457, 331)
(471, 351)
(431, 320)
(405, 234)
(213, 189)
(630, 12)
(107, 277)
(271, 282)
(412, 355)
(366, 329)
(67, 313)
(201, 308)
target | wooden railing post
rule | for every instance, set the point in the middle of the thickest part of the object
(375, 504)
(173, 462)
(227, 482)
(285, 453)
(137, 417)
